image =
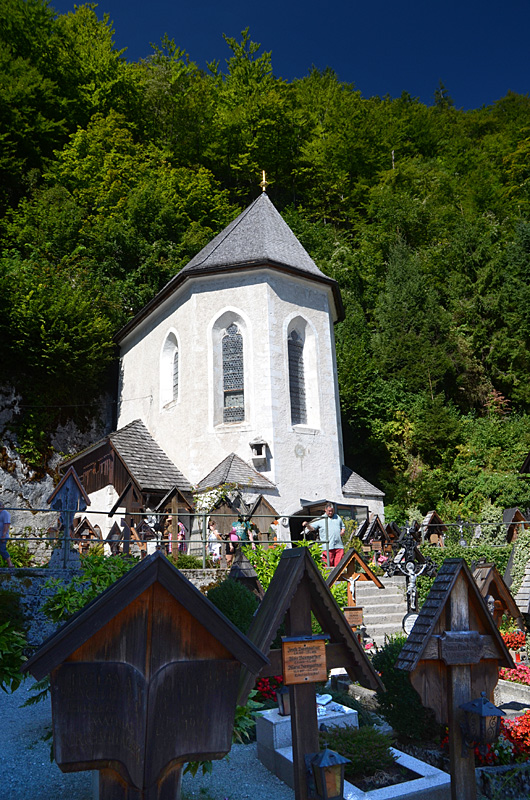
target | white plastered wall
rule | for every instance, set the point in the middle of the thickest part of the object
(102, 500)
(304, 461)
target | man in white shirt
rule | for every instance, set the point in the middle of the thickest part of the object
(330, 527)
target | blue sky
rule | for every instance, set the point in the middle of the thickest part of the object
(478, 49)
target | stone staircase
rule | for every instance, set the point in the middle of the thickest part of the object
(522, 598)
(383, 609)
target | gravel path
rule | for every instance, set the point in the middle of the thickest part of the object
(27, 773)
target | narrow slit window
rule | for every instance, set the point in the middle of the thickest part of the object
(233, 378)
(295, 351)
(176, 374)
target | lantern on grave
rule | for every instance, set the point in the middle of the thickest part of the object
(481, 724)
(328, 774)
(284, 701)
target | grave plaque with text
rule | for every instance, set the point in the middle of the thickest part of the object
(304, 660)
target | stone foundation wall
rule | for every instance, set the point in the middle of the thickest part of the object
(30, 585)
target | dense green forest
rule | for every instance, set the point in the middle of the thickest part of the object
(114, 174)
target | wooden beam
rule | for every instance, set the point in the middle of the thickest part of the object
(304, 722)
(488, 648)
(463, 783)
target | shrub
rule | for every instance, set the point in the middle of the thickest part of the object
(367, 748)
(98, 573)
(520, 560)
(184, 561)
(400, 704)
(12, 644)
(20, 555)
(10, 609)
(235, 601)
(498, 555)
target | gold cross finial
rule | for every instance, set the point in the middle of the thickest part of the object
(264, 182)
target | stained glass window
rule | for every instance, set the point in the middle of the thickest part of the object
(295, 351)
(233, 378)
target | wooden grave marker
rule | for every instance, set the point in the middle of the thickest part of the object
(144, 679)
(352, 568)
(296, 590)
(491, 583)
(453, 653)
(68, 498)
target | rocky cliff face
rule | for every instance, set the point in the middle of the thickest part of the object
(24, 494)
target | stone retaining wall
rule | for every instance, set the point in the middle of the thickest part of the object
(30, 585)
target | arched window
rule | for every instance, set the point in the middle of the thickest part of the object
(295, 352)
(169, 370)
(233, 378)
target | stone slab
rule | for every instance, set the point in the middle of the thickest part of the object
(274, 731)
(433, 784)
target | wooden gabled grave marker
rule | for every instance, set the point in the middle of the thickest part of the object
(453, 653)
(296, 590)
(352, 568)
(493, 588)
(68, 498)
(144, 679)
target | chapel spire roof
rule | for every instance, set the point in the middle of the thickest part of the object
(259, 237)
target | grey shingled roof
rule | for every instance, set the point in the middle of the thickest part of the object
(509, 514)
(353, 485)
(233, 469)
(147, 463)
(429, 613)
(257, 237)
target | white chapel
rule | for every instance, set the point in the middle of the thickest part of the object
(230, 370)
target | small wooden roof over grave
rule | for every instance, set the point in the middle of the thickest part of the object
(85, 527)
(490, 582)
(262, 513)
(433, 527)
(393, 531)
(351, 565)
(297, 567)
(69, 494)
(243, 571)
(515, 521)
(423, 654)
(373, 530)
(115, 534)
(103, 624)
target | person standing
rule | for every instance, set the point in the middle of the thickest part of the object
(5, 524)
(332, 525)
(214, 540)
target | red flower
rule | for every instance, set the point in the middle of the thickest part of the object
(514, 641)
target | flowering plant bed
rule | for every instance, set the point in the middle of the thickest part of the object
(512, 746)
(514, 640)
(521, 674)
(266, 688)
